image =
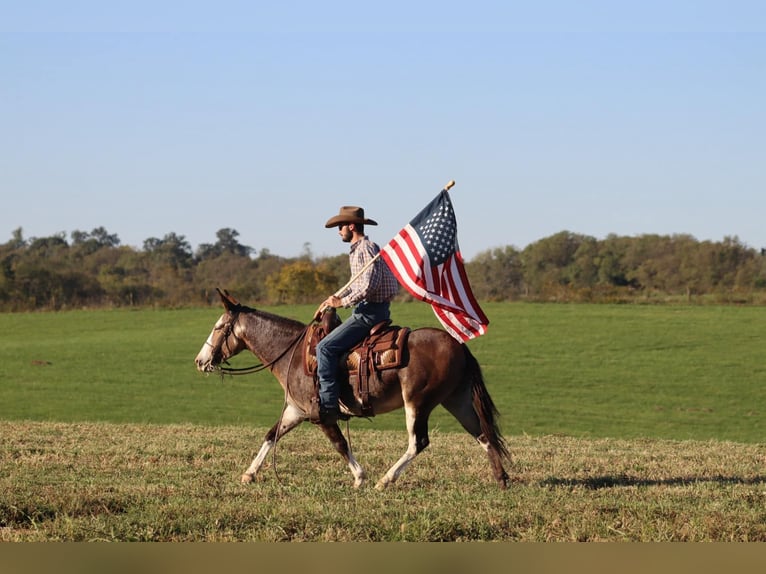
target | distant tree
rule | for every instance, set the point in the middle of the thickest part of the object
(227, 243)
(336, 269)
(99, 236)
(104, 238)
(300, 282)
(17, 239)
(237, 274)
(124, 274)
(172, 250)
(307, 253)
(730, 257)
(86, 243)
(48, 246)
(497, 274)
(549, 263)
(582, 271)
(612, 269)
(79, 237)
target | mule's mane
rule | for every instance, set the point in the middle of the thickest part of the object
(283, 322)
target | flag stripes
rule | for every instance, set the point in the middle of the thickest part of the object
(444, 285)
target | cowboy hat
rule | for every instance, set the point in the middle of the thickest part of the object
(349, 214)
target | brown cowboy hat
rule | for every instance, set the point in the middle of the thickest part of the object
(349, 214)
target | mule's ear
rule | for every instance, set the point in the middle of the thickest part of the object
(228, 301)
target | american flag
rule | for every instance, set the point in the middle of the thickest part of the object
(426, 260)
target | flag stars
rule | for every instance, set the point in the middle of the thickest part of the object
(438, 232)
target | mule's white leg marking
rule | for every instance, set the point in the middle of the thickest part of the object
(356, 470)
(257, 463)
(291, 418)
(412, 451)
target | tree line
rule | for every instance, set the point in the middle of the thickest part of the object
(573, 267)
(93, 269)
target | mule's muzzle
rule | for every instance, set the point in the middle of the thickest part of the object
(204, 365)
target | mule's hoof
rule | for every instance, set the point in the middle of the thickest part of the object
(358, 482)
(382, 484)
(247, 478)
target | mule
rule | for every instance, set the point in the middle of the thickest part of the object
(437, 370)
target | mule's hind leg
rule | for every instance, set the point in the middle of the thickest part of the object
(417, 431)
(460, 406)
(341, 445)
(291, 418)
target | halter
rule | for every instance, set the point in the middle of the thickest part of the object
(231, 371)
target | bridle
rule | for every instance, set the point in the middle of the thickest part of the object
(228, 329)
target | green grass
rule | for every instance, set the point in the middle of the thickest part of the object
(628, 371)
(626, 423)
(673, 372)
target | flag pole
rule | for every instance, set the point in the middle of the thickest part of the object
(358, 274)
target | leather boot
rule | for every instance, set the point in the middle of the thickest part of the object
(314, 411)
(328, 417)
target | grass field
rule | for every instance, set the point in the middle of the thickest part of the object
(626, 423)
(580, 370)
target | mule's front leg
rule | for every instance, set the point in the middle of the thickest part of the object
(341, 445)
(291, 418)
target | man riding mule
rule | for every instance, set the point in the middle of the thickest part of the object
(438, 371)
(370, 294)
(416, 370)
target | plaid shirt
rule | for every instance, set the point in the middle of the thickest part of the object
(377, 284)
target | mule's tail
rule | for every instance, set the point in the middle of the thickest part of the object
(484, 406)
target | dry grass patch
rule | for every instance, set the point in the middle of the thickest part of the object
(92, 482)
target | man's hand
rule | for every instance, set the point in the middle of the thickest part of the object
(331, 301)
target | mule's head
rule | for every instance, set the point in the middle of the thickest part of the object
(223, 342)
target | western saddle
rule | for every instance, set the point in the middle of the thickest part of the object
(382, 349)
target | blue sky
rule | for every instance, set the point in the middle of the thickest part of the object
(595, 117)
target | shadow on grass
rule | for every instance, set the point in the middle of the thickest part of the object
(599, 482)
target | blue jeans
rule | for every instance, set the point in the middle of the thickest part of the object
(330, 349)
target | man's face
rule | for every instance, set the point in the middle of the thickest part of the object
(345, 232)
